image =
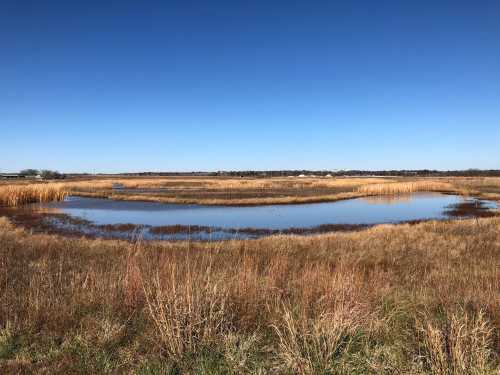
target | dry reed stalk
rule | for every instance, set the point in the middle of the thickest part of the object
(405, 187)
(16, 195)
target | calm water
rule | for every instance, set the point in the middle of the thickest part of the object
(278, 217)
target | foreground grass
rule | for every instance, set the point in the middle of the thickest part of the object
(422, 299)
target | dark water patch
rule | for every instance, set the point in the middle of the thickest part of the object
(471, 208)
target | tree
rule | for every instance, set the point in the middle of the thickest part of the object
(51, 175)
(29, 172)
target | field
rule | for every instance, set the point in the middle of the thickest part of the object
(392, 299)
(254, 191)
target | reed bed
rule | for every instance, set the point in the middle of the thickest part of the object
(405, 187)
(16, 195)
(224, 183)
(224, 191)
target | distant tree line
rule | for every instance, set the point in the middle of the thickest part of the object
(46, 174)
(335, 173)
(399, 173)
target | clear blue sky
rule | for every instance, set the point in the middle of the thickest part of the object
(112, 86)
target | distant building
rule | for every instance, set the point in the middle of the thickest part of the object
(10, 175)
(36, 177)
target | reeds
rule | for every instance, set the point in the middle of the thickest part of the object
(405, 187)
(16, 195)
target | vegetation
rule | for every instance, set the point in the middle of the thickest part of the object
(51, 175)
(336, 173)
(19, 194)
(394, 299)
(253, 191)
(405, 187)
(44, 173)
(249, 191)
(29, 172)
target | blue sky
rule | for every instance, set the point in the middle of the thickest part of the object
(111, 86)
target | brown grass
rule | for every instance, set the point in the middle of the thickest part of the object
(447, 345)
(16, 195)
(245, 191)
(405, 187)
(406, 299)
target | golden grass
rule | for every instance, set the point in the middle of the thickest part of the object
(16, 195)
(223, 202)
(262, 191)
(447, 344)
(405, 187)
(223, 183)
(223, 191)
(393, 299)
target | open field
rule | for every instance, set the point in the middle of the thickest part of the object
(392, 299)
(421, 299)
(259, 191)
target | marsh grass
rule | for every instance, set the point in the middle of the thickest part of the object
(406, 299)
(460, 344)
(223, 191)
(16, 195)
(189, 310)
(405, 187)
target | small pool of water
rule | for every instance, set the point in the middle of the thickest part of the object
(224, 222)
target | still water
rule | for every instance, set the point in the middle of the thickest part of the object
(372, 210)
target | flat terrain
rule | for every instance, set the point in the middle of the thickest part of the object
(257, 191)
(421, 299)
(393, 299)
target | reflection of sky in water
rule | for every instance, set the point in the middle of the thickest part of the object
(353, 211)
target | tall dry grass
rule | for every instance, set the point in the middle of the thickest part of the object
(189, 309)
(16, 195)
(223, 191)
(405, 187)
(406, 299)
(459, 345)
(224, 183)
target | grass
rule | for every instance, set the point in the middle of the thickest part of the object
(248, 191)
(244, 191)
(405, 187)
(16, 195)
(393, 299)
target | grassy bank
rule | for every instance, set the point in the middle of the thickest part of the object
(421, 299)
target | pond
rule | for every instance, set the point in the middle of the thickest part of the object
(110, 218)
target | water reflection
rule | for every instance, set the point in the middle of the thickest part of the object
(171, 221)
(389, 199)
